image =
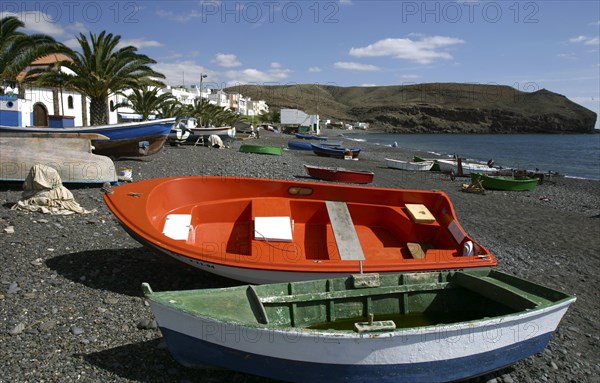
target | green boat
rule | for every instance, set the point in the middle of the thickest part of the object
(434, 168)
(260, 149)
(505, 182)
(396, 328)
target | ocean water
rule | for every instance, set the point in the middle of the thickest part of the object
(575, 155)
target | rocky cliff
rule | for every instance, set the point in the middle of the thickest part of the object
(434, 108)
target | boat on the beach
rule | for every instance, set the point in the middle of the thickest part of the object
(265, 230)
(501, 182)
(297, 145)
(335, 152)
(188, 131)
(460, 167)
(261, 149)
(340, 174)
(69, 154)
(434, 168)
(408, 165)
(128, 139)
(412, 328)
(310, 137)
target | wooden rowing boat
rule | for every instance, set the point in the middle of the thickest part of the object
(265, 230)
(409, 165)
(464, 167)
(310, 137)
(261, 149)
(411, 328)
(434, 168)
(70, 154)
(129, 139)
(340, 174)
(297, 145)
(335, 152)
(510, 183)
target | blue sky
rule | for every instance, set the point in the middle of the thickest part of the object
(525, 44)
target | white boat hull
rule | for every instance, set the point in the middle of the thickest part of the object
(425, 354)
(467, 167)
(405, 165)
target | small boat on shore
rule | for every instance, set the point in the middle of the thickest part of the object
(412, 328)
(261, 149)
(128, 139)
(339, 174)
(310, 137)
(187, 131)
(406, 165)
(510, 183)
(297, 145)
(70, 154)
(463, 167)
(265, 230)
(335, 152)
(434, 168)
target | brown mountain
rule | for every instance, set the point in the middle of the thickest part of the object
(435, 107)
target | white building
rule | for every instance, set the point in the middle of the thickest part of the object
(298, 117)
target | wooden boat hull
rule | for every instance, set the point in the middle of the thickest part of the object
(288, 331)
(132, 139)
(405, 165)
(70, 155)
(505, 182)
(335, 152)
(261, 149)
(340, 174)
(295, 145)
(222, 237)
(434, 168)
(467, 167)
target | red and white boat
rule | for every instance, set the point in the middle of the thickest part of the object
(340, 174)
(264, 230)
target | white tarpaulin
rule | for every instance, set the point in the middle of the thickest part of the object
(215, 141)
(43, 191)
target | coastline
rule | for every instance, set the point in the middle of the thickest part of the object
(73, 282)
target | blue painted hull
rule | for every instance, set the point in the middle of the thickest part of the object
(195, 352)
(310, 137)
(328, 151)
(126, 139)
(299, 145)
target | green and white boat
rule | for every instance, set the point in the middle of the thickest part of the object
(261, 149)
(411, 327)
(510, 183)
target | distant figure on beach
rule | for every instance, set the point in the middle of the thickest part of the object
(395, 144)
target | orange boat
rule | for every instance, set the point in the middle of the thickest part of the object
(263, 230)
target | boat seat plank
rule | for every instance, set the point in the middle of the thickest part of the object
(344, 232)
(257, 305)
(177, 226)
(419, 213)
(362, 292)
(494, 290)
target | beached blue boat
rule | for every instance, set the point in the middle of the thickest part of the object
(297, 145)
(336, 152)
(131, 139)
(310, 137)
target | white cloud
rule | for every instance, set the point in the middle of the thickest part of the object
(139, 43)
(276, 74)
(568, 56)
(187, 72)
(314, 69)
(180, 18)
(226, 60)
(585, 40)
(424, 51)
(409, 76)
(38, 22)
(355, 66)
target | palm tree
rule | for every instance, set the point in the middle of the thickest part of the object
(145, 101)
(101, 70)
(18, 50)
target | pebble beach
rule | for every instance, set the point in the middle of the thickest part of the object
(71, 305)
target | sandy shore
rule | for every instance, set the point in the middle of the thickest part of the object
(70, 298)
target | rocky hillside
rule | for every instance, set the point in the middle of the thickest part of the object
(436, 107)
